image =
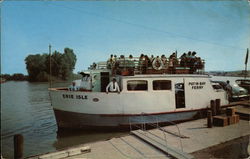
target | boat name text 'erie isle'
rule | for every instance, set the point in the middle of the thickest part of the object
(71, 96)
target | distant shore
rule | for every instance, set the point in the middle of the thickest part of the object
(22, 77)
(230, 73)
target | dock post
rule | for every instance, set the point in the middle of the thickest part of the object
(218, 108)
(209, 119)
(18, 146)
(213, 107)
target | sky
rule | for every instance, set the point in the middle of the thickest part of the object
(219, 31)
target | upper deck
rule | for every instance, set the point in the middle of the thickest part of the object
(130, 66)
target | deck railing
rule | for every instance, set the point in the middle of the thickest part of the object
(138, 66)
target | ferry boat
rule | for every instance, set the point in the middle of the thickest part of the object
(166, 89)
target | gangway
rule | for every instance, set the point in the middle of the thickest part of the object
(155, 140)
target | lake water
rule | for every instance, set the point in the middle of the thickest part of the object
(26, 110)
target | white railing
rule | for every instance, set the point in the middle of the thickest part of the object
(154, 123)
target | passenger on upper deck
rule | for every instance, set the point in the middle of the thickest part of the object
(150, 62)
(173, 55)
(147, 61)
(110, 61)
(189, 54)
(164, 59)
(131, 58)
(94, 65)
(152, 58)
(131, 65)
(142, 63)
(192, 61)
(183, 58)
(173, 62)
(113, 86)
(171, 66)
(193, 54)
(198, 63)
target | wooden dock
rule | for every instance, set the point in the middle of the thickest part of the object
(243, 111)
(163, 145)
(176, 141)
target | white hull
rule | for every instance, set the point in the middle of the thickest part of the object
(113, 109)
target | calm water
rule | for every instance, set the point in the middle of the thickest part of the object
(26, 110)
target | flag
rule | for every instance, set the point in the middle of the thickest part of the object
(246, 57)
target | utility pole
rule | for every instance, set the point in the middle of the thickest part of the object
(50, 84)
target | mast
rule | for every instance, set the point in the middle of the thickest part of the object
(50, 82)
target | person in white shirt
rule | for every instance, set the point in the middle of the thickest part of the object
(229, 90)
(113, 86)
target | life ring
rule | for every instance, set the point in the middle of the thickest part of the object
(157, 64)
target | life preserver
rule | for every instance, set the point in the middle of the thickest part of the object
(157, 64)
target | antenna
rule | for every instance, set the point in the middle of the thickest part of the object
(246, 61)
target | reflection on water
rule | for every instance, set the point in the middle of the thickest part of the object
(26, 110)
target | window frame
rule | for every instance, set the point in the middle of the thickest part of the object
(135, 90)
(162, 89)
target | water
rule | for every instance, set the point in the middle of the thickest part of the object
(26, 110)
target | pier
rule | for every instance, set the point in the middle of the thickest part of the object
(175, 141)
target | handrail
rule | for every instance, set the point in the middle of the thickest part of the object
(143, 124)
(166, 130)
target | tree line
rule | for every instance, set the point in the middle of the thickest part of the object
(14, 77)
(62, 65)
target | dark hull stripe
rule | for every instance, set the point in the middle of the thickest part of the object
(159, 113)
(67, 119)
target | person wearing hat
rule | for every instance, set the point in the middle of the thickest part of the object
(113, 86)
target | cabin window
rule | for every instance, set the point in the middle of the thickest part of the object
(162, 85)
(217, 86)
(137, 85)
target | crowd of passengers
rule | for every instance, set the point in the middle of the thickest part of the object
(145, 62)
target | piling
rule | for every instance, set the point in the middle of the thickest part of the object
(230, 111)
(18, 146)
(209, 119)
(213, 107)
(218, 107)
